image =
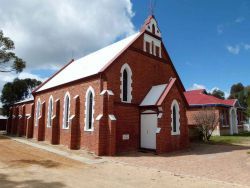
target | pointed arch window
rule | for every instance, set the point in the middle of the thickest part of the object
(50, 112)
(126, 84)
(89, 110)
(175, 116)
(153, 29)
(38, 111)
(66, 111)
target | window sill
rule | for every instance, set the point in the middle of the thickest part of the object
(65, 128)
(89, 130)
(126, 101)
(175, 133)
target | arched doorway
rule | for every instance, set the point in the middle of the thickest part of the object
(233, 121)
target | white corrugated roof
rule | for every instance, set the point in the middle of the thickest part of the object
(90, 64)
(153, 95)
(31, 98)
(3, 117)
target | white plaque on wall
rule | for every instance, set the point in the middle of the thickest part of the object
(125, 136)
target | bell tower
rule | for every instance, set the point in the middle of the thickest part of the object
(152, 37)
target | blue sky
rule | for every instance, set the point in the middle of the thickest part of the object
(208, 40)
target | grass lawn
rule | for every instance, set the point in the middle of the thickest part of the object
(241, 138)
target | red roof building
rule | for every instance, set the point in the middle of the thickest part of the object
(229, 111)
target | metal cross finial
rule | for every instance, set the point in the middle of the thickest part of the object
(152, 4)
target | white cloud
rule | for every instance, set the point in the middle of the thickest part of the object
(9, 77)
(234, 49)
(220, 29)
(237, 48)
(239, 19)
(226, 94)
(46, 33)
(197, 86)
(247, 46)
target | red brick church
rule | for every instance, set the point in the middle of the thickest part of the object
(123, 97)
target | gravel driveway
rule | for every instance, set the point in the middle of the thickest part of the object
(229, 163)
(26, 166)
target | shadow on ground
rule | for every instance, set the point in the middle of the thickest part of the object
(5, 182)
(25, 163)
(194, 149)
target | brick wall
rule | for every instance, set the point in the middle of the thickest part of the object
(106, 139)
(89, 140)
(165, 141)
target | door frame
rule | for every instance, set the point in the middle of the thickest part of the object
(147, 112)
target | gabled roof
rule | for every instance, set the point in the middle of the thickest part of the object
(157, 94)
(88, 65)
(201, 98)
(153, 95)
(97, 62)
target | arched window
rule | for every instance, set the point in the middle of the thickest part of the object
(89, 110)
(175, 116)
(38, 111)
(153, 28)
(66, 111)
(50, 112)
(174, 119)
(126, 84)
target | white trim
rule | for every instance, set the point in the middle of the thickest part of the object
(112, 117)
(129, 94)
(150, 26)
(159, 115)
(50, 114)
(64, 123)
(156, 42)
(98, 118)
(149, 112)
(108, 91)
(38, 111)
(176, 104)
(72, 117)
(86, 113)
(233, 125)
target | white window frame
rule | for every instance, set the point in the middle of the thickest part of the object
(129, 89)
(38, 111)
(177, 107)
(156, 42)
(64, 122)
(50, 113)
(86, 119)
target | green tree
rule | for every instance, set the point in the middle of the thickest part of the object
(16, 91)
(238, 91)
(8, 60)
(218, 93)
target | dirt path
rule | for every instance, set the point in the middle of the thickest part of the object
(25, 166)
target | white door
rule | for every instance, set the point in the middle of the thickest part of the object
(148, 131)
